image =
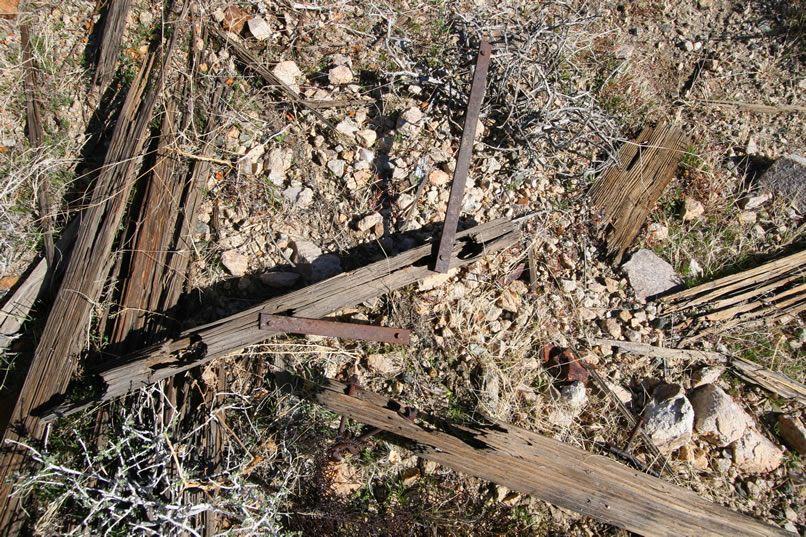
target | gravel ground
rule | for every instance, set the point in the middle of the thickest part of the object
(569, 83)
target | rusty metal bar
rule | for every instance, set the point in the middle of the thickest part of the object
(317, 327)
(463, 158)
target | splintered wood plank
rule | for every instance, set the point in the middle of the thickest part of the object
(63, 337)
(153, 231)
(770, 380)
(747, 280)
(542, 467)
(202, 344)
(626, 192)
(114, 27)
(771, 291)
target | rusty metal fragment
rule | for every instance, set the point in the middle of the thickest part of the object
(300, 325)
(463, 158)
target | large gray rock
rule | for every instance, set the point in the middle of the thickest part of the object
(787, 178)
(717, 417)
(669, 417)
(753, 453)
(650, 276)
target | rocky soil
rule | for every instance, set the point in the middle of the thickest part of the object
(290, 203)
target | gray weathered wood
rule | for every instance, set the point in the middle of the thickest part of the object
(202, 344)
(545, 468)
(63, 337)
(661, 352)
(769, 380)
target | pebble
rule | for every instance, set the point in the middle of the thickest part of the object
(574, 394)
(613, 328)
(366, 137)
(746, 218)
(365, 155)
(277, 164)
(692, 209)
(369, 222)
(706, 375)
(235, 262)
(348, 127)
(650, 275)
(410, 121)
(259, 28)
(695, 456)
(337, 166)
(438, 178)
(717, 417)
(657, 232)
(339, 75)
(287, 72)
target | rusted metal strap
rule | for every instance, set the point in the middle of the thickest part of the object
(463, 158)
(300, 325)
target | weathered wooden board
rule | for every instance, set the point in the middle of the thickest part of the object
(63, 337)
(545, 468)
(687, 355)
(769, 380)
(627, 191)
(770, 292)
(205, 343)
(114, 27)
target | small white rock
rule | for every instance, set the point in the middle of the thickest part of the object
(287, 72)
(337, 167)
(669, 417)
(692, 209)
(410, 120)
(339, 75)
(347, 127)
(657, 232)
(746, 218)
(369, 221)
(438, 178)
(366, 137)
(755, 454)
(259, 28)
(235, 262)
(717, 417)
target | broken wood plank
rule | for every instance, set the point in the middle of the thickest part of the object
(542, 467)
(687, 355)
(727, 284)
(763, 294)
(114, 27)
(17, 307)
(627, 191)
(33, 114)
(769, 380)
(202, 344)
(63, 337)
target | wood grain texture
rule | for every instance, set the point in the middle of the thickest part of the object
(771, 292)
(63, 337)
(545, 468)
(627, 191)
(202, 344)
